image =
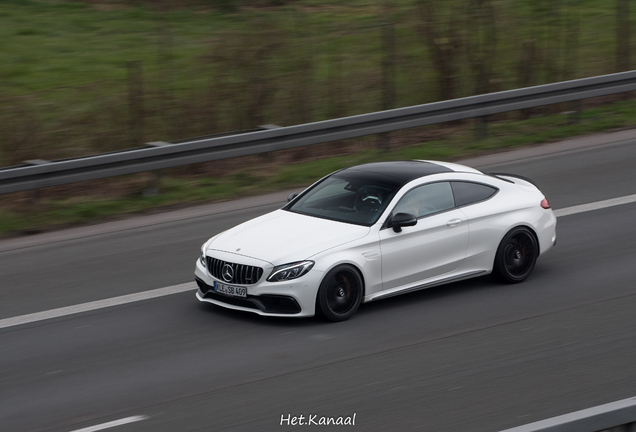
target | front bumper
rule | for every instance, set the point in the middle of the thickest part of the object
(268, 303)
(296, 298)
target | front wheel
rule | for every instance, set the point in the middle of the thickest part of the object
(340, 293)
(516, 256)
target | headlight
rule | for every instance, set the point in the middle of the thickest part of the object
(202, 256)
(290, 271)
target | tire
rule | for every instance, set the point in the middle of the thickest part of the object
(340, 293)
(516, 256)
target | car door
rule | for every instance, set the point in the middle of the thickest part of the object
(434, 246)
(474, 199)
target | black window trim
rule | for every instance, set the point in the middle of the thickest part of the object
(387, 222)
(478, 183)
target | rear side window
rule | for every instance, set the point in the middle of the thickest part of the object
(469, 193)
(425, 200)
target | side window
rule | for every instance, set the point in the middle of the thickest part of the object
(469, 193)
(426, 200)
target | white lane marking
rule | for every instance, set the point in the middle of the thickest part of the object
(94, 305)
(112, 424)
(175, 289)
(595, 205)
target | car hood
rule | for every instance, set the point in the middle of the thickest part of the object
(282, 236)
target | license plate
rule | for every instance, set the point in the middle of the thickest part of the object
(230, 290)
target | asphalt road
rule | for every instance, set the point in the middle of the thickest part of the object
(471, 356)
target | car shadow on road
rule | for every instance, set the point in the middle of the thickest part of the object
(428, 296)
(459, 293)
(249, 318)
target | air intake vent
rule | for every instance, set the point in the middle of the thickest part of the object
(228, 272)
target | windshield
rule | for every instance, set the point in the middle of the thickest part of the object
(356, 199)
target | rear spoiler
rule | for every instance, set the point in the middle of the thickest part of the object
(502, 176)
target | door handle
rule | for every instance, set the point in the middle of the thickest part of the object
(453, 222)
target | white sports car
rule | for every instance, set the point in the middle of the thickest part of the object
(374, 231)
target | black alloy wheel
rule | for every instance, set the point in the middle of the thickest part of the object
(340, 293)
(516, 256)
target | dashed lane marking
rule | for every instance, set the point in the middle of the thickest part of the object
(190, 286)
(112, 424)
(94, 305)
(595, 205)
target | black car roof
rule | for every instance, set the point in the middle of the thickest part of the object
(397, 173)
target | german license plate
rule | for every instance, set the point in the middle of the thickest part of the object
(230, 290)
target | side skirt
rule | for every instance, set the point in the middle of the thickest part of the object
(443, 281)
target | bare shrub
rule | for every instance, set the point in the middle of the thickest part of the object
(441, 28)
(241, 64)
(20, 131)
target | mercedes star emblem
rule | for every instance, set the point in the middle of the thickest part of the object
(228, 273)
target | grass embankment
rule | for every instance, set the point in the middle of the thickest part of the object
(66, 89)
(261, 175)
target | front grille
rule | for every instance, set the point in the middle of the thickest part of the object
(241, 274)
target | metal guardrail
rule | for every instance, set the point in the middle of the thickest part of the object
(617, 416)
(41, 174)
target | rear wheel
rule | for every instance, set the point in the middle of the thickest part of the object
(516, 256)
(340, 293)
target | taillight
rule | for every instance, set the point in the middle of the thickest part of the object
(545, 204)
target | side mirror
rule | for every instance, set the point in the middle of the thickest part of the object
(402, 220)
(291, 196)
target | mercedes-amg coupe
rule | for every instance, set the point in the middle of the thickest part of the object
(373, 231)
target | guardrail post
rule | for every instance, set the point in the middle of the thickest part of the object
(36, 195)
(481, 128)
(155, 183)
(575, 112)
(267, 156)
